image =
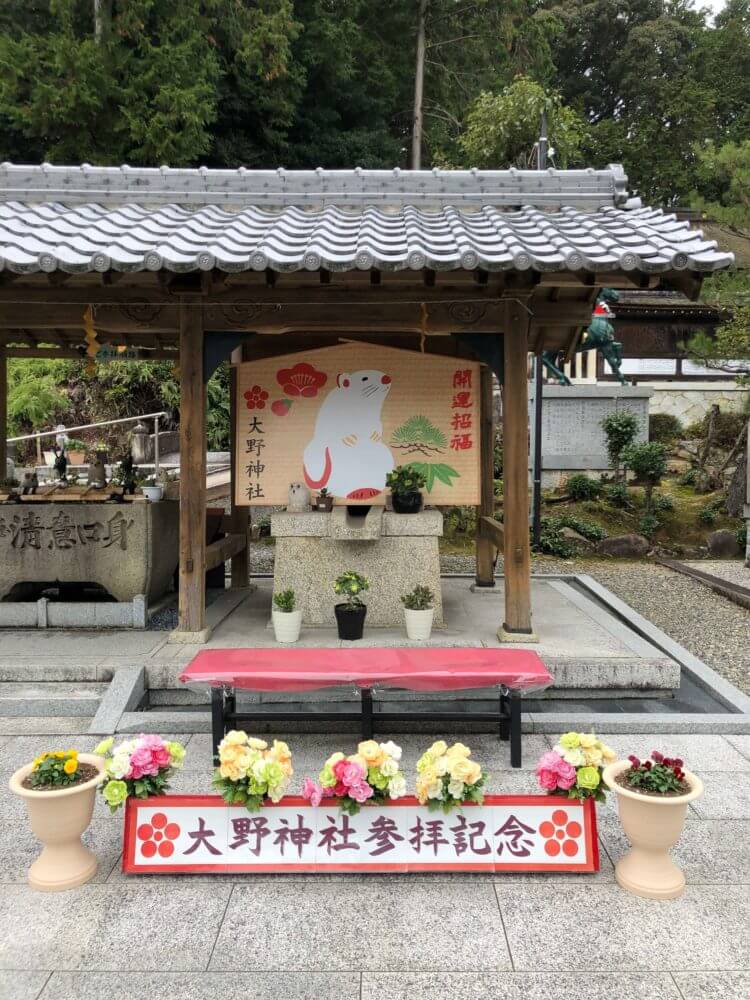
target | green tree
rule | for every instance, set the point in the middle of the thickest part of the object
(620, 428)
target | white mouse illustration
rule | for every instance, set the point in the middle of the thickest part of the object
(346, 453)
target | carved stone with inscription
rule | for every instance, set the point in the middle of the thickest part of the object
(128, 549)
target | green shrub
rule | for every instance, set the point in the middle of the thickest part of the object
(661, 503)
(709, 513)
(405, 479)
(648, 525)
(617, 495)
(419, 599)
(727, 427)
(350, 585)
(689, 478)
(664, 427)
(552, 541)
(742, 536)
(591, 531)
(620, 428)
(582, 487)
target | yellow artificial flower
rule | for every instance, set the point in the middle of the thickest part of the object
(592, 756)
(256, 744)
(334, 758)
(357, 758)
(235, 737)
(370, 751)
(438, 749)
(428, 775)
(465, 770)
(280, 751)
(608, 754)
(459, 750)
(70, 766)
(588, 740)
(231, 771)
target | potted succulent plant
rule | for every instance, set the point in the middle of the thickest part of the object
(286, 618)
(75, 450)
(323, 501)
(419, 611)
(59, 788)
(652, 799)
(350, 615)
(405, 484)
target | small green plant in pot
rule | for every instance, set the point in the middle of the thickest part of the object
(419, 611)
(350, 614)
(323, 501)
(286, 617)
(405, 484)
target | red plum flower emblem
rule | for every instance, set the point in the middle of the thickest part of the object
(158, 836)
(256, 398)
(301, 380)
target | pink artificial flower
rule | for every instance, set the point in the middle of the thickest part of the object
(566, 775)
(158, 749)
(361, 792)
(548, 770)
(313, 791)
(338, 769)
(340, 788)
(354, 774)
(142, 763)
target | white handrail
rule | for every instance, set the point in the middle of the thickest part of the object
(86, 427)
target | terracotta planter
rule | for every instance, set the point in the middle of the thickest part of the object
(59, 819)
(652, 825)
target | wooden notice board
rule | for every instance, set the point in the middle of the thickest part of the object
(342, 417)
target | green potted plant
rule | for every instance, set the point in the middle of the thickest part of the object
(59, 788)
(652, 800)
(75, 449)
(323, 501)
(350, 614)
(405, 484)
(419, 611)
(286, 617)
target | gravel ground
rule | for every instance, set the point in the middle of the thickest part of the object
(712, 628)
(733, 570)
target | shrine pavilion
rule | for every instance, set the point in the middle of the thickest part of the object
(202, 265)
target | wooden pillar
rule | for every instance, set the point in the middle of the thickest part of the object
(517, 564)
(192, 597)
(239, 515)
(485, 548)
(3, 410)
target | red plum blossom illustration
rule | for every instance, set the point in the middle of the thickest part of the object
(256, 398)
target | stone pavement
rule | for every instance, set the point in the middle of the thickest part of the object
(389, 937)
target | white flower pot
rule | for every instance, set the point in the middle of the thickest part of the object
(153, 493)
(419, 623)
(286, 625)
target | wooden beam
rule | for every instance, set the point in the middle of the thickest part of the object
(485, 550)
(517, 563)
(239, 516)
(192, 596)
(492, 530)
(3, 410)
(225, 548)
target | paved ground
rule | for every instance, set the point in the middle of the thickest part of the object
(435, 937)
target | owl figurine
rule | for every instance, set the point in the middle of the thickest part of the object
(299, 498)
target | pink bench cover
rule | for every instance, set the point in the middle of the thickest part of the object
(432, 669)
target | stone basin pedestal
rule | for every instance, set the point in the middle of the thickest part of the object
(396, 552)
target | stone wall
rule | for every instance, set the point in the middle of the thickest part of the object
(689, 401)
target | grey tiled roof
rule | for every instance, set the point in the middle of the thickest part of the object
(79, 219)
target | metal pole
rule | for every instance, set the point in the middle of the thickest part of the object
(543, 144)
(417, 123)
(537, 458)
(156, 447)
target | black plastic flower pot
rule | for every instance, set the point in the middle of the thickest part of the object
(350, 621)
(407, 503)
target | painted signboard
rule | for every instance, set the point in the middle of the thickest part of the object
(343, 417)
(172, 834)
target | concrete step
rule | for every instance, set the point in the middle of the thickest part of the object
(55, 698)
(43, 725)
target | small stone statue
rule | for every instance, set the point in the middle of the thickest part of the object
(97, 475)
(128, 473)
(299, 498)
(30, 484)
(61, 463)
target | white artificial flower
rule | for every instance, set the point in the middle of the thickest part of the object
(259, 770)
(126, 747)
(392, 749)
(441, 765)
(118, 766)
(397, 786)
(435, 790)
(388, 768)
(573, 757)
(456, 789)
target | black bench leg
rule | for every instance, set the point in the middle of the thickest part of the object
(218, 723)
(504, 731)
(515, 729)
(367, 728)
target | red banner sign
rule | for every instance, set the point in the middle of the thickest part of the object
(200, 833)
